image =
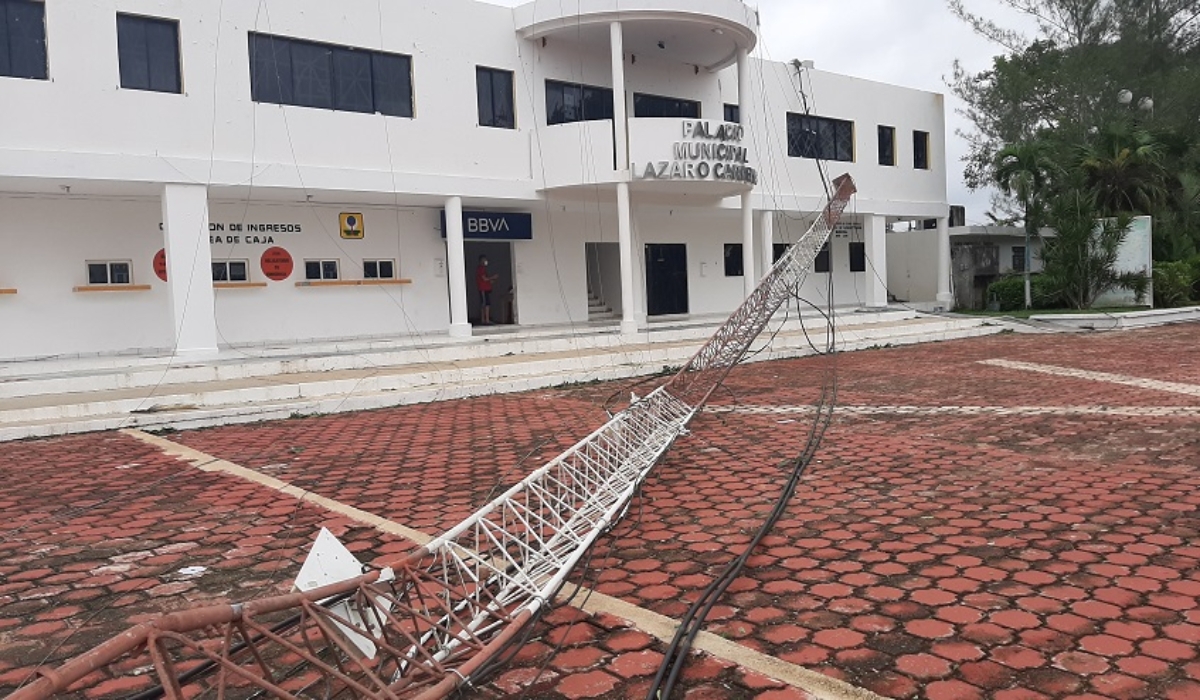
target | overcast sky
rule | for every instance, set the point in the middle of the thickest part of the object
(906, 42)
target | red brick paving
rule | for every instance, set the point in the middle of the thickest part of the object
(954, 556)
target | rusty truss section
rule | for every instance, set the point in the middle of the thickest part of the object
(448, 613)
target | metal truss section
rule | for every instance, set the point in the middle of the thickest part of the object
(448, 612)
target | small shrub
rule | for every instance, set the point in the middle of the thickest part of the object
(1174, 283)
(1009, 292)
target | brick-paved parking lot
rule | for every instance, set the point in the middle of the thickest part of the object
(967, 531)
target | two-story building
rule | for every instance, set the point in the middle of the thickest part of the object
(180, 176)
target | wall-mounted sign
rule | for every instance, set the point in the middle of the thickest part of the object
(707, 150)
(277, 264)
(247, 233)
(494, 226)
(160, 264)
(351, 226)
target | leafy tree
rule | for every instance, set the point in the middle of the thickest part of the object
(1080, 259)
(1124, 167)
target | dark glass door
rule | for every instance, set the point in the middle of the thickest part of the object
(666, 279)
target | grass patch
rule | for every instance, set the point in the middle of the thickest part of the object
(1026, 313)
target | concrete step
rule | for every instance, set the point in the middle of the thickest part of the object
(252, 399)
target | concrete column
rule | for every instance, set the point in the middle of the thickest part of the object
(743, 69)
(875, 241)
(767, 232)
(457, 269)
(620, 130)
(629, 303)
(749, 281)
(945, 297)
(189, 269)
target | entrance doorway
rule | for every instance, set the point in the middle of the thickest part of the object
(603, 280)
(666, 279)
(500, 263)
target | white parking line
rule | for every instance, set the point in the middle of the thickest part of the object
(1153, 384)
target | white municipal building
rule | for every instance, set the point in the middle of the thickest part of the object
(186, 176)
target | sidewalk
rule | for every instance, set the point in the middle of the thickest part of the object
(41, 398)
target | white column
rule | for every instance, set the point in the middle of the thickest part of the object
(189, 269)
(743, 69)
(767, 232)
(620, 130)
(875, 242)
(457, 267)
(749, 282)
(945, 298)
(629, 302)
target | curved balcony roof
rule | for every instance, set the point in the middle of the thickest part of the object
(705, 33)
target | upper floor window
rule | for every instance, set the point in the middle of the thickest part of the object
(494, 90)
(308, 74)
(921, 150)
(575, 102)
(887, 145)
(733, 113)
(148, 51)
(23, 39)
(658, 106)
(820, 137)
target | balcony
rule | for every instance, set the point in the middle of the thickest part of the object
(579, 154)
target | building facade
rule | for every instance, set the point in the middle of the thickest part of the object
(179, 177)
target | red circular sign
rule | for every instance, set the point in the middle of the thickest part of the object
(160, 264)
(277, 264)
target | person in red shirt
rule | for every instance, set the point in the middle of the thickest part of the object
(483, 282)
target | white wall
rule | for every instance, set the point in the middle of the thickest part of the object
(913, 265)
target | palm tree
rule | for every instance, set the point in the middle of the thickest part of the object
(1126, 170)
(1024, 171)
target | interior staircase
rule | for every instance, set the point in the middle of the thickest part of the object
(597, 309)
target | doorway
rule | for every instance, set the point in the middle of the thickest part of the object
(666, 279)
(500, 263)
(603, 280)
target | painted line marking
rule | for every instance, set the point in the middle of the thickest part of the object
(818, 685)
(1119, 411)
(1154, 384)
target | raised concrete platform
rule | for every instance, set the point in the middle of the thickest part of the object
(1122, 320)
(61, 396)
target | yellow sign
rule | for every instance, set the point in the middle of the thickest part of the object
(351, 226)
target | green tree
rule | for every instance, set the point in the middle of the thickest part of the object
(1025, 170)
(1080, 259)
(1125, 169)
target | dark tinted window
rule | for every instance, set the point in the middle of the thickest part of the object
(312, 269)
(858, 256)
(220, 272)
(887, 145)
(921, 150)
(820, 138)
(574, 102)
(327, 76)
(821, 264)
(97, 273)
(733, 113)
(386, 269)
(659, 106)
(777, 251)
(148, 51)
(734, 265)
(22, 39)
(370, 269)
(494, 92)
(118, 273)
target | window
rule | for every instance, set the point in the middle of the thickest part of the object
(148, 51)
(733, 113)
(858, 256)
(921, 150)
(777, 251)
(109, 272)
(379, 269)
(575, 102)
(230, 270)
(494, 90)
(658, 106)
(733, 260)
(821, 263)
(1018, 259)
(887, 145)
(320, 269)
(327, 76)
(23, 39)
(820, 138)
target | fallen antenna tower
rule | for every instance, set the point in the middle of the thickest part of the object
(425, 625)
